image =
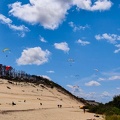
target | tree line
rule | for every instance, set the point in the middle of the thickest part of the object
(21, 76)
(110, 108)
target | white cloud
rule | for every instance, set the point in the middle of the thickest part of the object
(51, 13)
(114, 77)
(18, 28)
(101, 79)
(118, 48)
(70, 86)
(110, 75)
(48, 13)
(5, 20)
(62, 46)
(93, 83)
(97, 5)
(42, 39)
(21, 34)
(116, 51)
(50, 71)
(105, 94)
(118, 88)
(76, 90)
(91, 95)
(118, 45)
(111, 38)
(22, 29)
(34, 55)
(75, 28)
(83, 43)
(45, 76)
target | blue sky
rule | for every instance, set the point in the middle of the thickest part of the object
(75, 43)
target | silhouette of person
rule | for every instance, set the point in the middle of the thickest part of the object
(84, 110)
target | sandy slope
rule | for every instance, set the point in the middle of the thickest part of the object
(38, 103)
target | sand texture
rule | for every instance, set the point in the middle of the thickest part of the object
(26, 101)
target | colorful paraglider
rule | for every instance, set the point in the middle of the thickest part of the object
(5, 50)
(8, 68)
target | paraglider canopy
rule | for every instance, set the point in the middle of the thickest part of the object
(5, 50)
(8, 68)
(96, 70)
(70, 60)
(82, 107)
(75, 86)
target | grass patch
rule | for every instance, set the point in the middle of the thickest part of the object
(112, 117)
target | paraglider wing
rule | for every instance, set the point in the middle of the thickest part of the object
(6, 49)
(70, 60)
(75, 86)
(96, 70)
(8, 68)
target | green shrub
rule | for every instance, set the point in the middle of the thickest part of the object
(112, 117)
(104, 109)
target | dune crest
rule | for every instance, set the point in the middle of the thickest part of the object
(23, 101)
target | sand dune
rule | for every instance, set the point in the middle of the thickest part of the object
(25, 101)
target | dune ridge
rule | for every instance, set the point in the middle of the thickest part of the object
(27, 101)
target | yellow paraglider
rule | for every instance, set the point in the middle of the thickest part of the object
(6, 49)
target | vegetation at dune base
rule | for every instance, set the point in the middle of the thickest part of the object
(111, 110)
(112, 117)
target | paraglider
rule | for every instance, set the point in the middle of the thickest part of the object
(70, 60)
(77, 76)
(5, 50)
(75, 86)
(96, 71)
(8, 68)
